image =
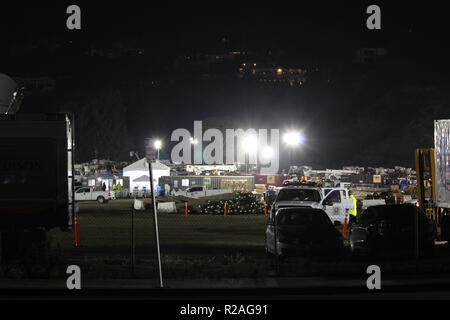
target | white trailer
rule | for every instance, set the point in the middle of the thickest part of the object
(200, 192)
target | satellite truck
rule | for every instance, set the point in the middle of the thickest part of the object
(433, 179)
(36, 171)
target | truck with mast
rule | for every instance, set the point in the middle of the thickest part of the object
(433, 179)
(36, 170)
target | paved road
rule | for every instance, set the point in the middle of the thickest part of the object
(399, 287)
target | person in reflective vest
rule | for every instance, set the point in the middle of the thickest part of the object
(353, 211)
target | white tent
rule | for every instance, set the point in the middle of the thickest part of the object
(138, 173)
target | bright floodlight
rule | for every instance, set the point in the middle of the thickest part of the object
(294, 138)
(158, 144)
(250, 144)
(194, 141)
(268, 152)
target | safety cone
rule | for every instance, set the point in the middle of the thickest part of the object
(344, 231)
(76, 229)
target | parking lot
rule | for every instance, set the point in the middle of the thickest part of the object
(193, 247)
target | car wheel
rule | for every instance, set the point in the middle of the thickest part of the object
(101, 199)
(267, 251)
(352, 248)
(266, 248)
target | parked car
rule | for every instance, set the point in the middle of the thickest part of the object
(89, 194)
(302, 231)
(413, 202)
(391, 228)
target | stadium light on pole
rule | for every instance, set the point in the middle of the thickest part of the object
(158, 145)
(268, 152)
(249, 146)
(293, 139)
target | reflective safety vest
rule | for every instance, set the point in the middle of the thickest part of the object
(114, 186)
(353, 211)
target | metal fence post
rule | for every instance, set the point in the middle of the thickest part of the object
(155, 223)
(416, 234)
(132, 241)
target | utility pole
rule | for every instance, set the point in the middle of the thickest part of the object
(150, 155)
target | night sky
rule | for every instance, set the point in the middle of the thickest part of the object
(371, 114)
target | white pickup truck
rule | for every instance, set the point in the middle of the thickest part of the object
(89, 194)
(334, 201)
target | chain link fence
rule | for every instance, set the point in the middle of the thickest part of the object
(203, 240)
(200, 238)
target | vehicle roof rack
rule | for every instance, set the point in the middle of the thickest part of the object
(288, 183)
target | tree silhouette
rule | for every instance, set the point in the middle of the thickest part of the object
(100, 126)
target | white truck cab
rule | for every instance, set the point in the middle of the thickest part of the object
(334, 201)
(337, 204)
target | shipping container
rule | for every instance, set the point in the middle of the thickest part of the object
(270, 180)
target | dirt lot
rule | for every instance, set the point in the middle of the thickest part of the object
(192, 247)
(189, 244)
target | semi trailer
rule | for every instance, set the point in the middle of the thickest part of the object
(36, 173)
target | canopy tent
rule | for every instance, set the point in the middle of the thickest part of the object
(143, 178)
(139, 175)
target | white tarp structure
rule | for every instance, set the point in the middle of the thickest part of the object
(139, 175)
(168, 207)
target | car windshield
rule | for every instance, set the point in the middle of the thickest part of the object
(301, 218)
(299, 195)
